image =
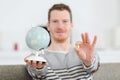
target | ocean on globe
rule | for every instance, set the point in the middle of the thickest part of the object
(37, 38)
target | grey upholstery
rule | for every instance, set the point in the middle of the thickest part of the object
(18, 72)
(109, 71)
(14, 72)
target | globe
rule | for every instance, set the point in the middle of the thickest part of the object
(37, 38)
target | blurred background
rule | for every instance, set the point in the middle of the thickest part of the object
(97, 17)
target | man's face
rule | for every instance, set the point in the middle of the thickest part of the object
(60, 25)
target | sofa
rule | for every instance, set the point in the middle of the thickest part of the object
(108, 71)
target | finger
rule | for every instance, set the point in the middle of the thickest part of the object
(29, 62)
(25, 59)
(34, 63)
(83, 38)
(87, 39)
(44, 63)
(94, 41)
(77, 44)
(41, 64)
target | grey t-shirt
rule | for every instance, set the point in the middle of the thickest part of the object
(64, 66)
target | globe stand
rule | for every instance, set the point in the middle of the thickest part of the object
(37, 56)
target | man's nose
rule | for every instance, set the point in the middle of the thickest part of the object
(60, 24)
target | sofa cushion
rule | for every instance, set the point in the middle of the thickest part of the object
(108, 71)
(14, 72)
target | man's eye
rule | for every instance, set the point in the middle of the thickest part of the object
(54, 21)
(65, 21)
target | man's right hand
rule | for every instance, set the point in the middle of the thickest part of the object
(35, 64)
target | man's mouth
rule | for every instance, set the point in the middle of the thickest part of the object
(60, 33)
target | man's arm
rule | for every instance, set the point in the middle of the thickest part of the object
(94, 66)
(86, 51)
(36, 73)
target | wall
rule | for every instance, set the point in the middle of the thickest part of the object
(98, 17)
(93, 16)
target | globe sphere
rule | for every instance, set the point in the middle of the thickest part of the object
(37, 38)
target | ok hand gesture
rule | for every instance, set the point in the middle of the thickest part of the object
(85, 49)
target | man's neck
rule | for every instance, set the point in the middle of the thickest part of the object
(65, 46)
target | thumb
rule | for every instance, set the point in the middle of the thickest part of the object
(79, 50)
(77, 46)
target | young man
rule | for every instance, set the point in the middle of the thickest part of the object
(65, 62)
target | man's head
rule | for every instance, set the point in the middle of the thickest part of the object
(60, 22)
(60, 7)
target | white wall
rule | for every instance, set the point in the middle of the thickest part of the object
(119, 12)
(99, 17)
(93, 16)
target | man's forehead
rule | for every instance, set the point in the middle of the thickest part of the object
(59, 11)
(60, 14)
